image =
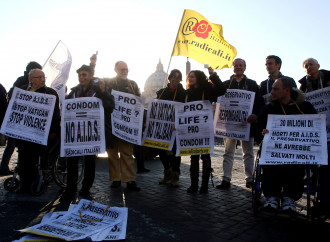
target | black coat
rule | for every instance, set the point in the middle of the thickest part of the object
(3, 103)
(270, 81)
(211, 92)
(307, 86)
(275, 108)
(108, 105)
(122, 86)
(20, 82)
(167, 94)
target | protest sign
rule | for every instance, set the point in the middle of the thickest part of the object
(82, 129)
(29, 116)
(232, 111)
(321, 102)
(194, 129)
(295, 139)
(86, 220)
(159, 132)
(127, 117)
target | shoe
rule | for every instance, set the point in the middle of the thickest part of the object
(192, 189)
(249, 184)
(68, 193)
(224, 185)
(288, 204)
(132, 186)
(84, 192)
(271, 204)
(175, 179)
(167, 176)
(143, 170)
(204, 190)
(115, 184)
(6, 173)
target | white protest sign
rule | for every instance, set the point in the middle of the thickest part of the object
(29, 116)
(82, 129)
(194, 128)
(321, 102)
(232, 111)
(127, 117)
(295, 139)
(88, 219)
(159, 132)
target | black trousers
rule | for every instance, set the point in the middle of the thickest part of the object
(28, 156)
(170, 160)
(89, 172)
(194, 164)
(283, 180)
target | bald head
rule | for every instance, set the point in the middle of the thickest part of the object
(121, 69)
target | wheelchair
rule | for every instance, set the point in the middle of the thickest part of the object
(50, 167)
(311, 185)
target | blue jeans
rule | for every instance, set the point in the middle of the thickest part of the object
(10, 147)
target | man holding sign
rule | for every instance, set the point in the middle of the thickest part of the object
(122, 167)
(241, 82)
(316, 85)
(85, 134)
(283, 181)
(35, 119)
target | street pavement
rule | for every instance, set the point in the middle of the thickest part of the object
(163, 213)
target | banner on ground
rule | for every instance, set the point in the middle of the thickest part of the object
(194, 129)
(159, 132)
(295, 139)
(232, 111)
(86, 220)
(82, 127)
(29, 116)
(203, 41)
(321, 102)
(57, 69)
(127, 117)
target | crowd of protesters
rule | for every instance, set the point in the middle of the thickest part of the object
(278, 94)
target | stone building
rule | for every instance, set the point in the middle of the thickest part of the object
(155, 81)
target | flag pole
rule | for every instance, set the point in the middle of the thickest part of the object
(169, 63)
(51, 53)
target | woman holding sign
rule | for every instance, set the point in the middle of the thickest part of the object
(173, 92)
(199, 88)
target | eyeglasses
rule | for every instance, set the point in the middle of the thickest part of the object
(124, 70)
(39, 77)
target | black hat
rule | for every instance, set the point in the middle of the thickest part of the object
(85, 68)
(33, 65)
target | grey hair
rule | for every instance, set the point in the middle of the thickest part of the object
(240, 60)
(118, 62)
(31, 72)
(310, 59)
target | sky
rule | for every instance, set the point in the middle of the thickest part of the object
(143, 32)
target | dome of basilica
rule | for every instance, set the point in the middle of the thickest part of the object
(155, 81)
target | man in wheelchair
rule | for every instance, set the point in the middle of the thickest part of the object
(282, 185)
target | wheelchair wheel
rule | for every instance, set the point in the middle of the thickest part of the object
(11, 184)
(256, 186)
(37, 188)
(59, 171)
